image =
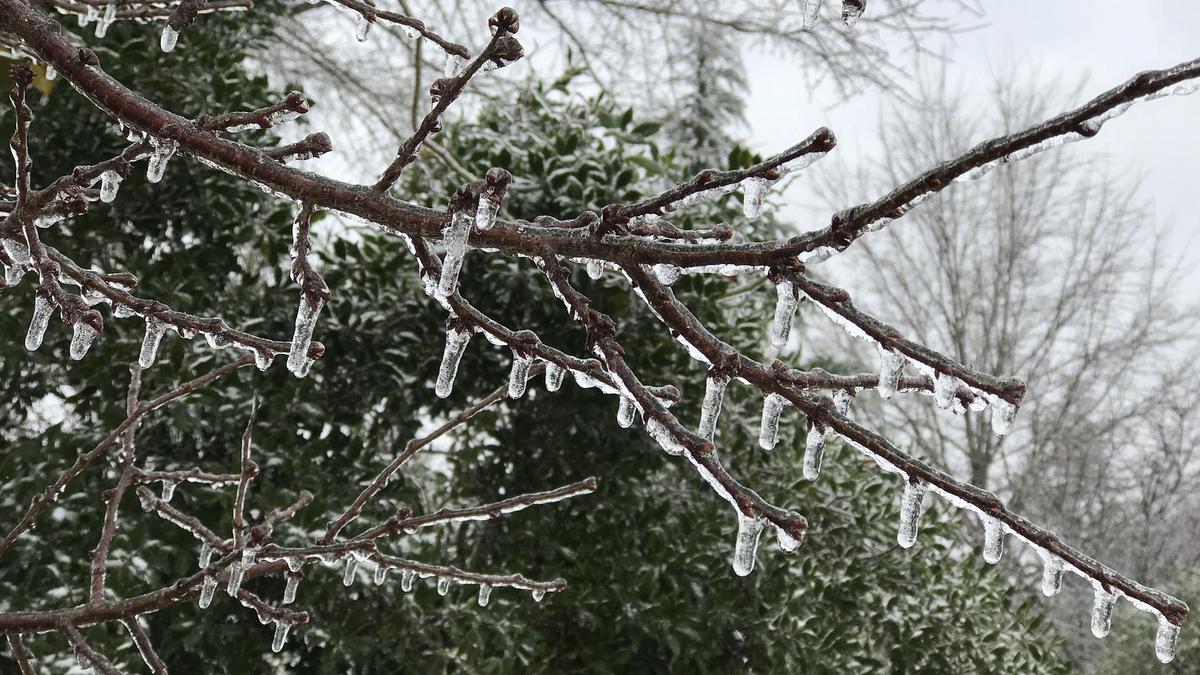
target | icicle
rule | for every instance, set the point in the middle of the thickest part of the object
(168, 490)
(351, 568)
(785, 309)
(1166, 640)
(626, 411)
(110, 182)
(42, 309)
(154, 333)
(167, 42)
(993, 539)
(289, 589)
(455, 239)
(485, 594)
(207, 587)
(841, 401)
(891, 364)
(110, 16)
(538, 594)
(263, 359)
(710, 409)
(814, 451)
(812, 10)
(456, 344)
(910, 512)
(306, 319)
(664, 438)
(595, 269)
(753, 191)
(746, 549)
(157, 164)
(406, 580)
(1003, 414)
(443, 585)
(281, 631)
(364, 27)
(1102, 609)
(82, 339)
(945, 387)
(206, 552)
(238, 569)
(519, 374)
(12, 275)
(851, 11)
(786, 542)
(380, 574)
(1052, 572)
(485, 213)
(768, 431)
(554, 376)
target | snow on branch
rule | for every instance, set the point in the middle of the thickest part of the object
(635, 240)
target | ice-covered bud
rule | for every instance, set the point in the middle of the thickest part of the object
(505, 20)
(507, 50)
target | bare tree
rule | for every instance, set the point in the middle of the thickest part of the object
(635, 240)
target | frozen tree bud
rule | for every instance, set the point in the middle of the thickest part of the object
(505, 20)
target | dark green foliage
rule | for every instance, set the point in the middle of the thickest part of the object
(647, 557)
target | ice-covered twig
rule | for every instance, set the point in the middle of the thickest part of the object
(21, 653)
(142, 641)
(289, 108)
(51, 493)
(312, 145)
(424, 570)
(370, 13)
(128, 458)
(249, 471)
(87, 653)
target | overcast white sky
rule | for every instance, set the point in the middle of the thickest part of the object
(1104, 41)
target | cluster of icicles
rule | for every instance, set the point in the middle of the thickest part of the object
(251, 555)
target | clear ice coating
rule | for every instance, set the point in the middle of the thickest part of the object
(595, 269)
(455, 239)
(306, 320)
(168, 40)
(812, 10)
(785, 310)
(156, 166)
(456, 344)
(485, 213)
(891, 364)
(710, 409)
(1166, 640)
(753, 191)
(281, 631)
(443, 585)
(554, 376)
(814, 451)
(910, 512)
(154, 333)
(110, 182)
(519, 374)
(945, 387)
(207, 587)
(768, 431)
(289, 589)
(993, 539)
(485, 594)
(1003, 414)
(1102, 609)
(745, 550)
(42, 309)
(1052, 573)
(263, 359)
(626, 412)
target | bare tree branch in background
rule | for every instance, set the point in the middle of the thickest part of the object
(636, 240)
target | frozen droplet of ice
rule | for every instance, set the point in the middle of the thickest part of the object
(785, 310)
(154, 334)
(406, 580)
(595, 269)
(168, 490)
(485, 593)
(206, 552)
(1102, 609)
(814, 451)
(207, 587)
(351, 569)
(485, 213)
(768, 431)
(891, 364)
(290, 587)
(538, 594)
(443, 585)
(263, 359)
(841, 401)
(519, 374)
(306, 320)
(363, 28)
(945, 387)
(1003, 414)
(42, 309)
(910, 512)
(1052, 572)
(626, 411)
(110, 182)
(156, 166)
(454, 236)
(812, 10)
(456, 344)
(82, 338)
(710, 409)
(554, 376)
(745, 550)
(667, 274)
(753, 191)
(167, 42)
(1166, 640)
(993, 539)
(281, 631)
